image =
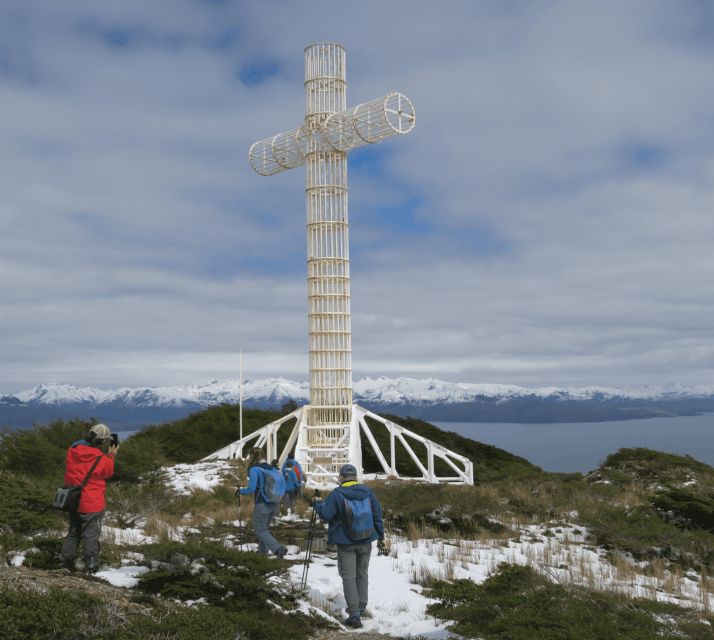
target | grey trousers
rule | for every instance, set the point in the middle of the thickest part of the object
(263, 514)
(87, 527)
(289, 498)
(353, 566)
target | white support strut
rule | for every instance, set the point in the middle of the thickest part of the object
(324, 461)
(327, 433)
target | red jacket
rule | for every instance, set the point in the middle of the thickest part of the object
(80, 458)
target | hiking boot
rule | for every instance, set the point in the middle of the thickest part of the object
(281, 553)
(69, 565)
(353, 622)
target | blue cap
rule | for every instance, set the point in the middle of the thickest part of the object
(347, 471)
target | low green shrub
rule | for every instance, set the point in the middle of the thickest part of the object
(65, 615)
(55, 615)
(648, 467)
(240, 585)
(196, 436)
(200, 622)
(517, 603)
(200, 567)
(449, 508)
(45, 553)
(642, 532)
(689, 508)
(128, 501)
(26, 503)
(141, 456)
(40, 452)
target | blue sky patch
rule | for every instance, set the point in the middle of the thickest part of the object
(258, 71)
(643, 156)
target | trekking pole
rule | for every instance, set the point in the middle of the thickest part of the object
(308, 543)
(241, 529)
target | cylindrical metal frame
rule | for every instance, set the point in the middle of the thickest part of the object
(328, 267)
(370, 122)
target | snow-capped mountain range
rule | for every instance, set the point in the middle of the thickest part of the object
(373, 390)
(429, 398)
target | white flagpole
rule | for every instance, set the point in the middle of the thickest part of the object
(240, 395)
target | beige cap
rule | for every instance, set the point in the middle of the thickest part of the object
(101, 431)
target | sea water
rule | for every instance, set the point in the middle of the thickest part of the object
(581, 446)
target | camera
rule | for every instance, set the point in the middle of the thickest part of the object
(115, 440)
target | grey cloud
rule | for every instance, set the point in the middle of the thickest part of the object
(137, 246)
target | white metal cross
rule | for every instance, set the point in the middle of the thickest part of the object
(329, 132)
(328, 432)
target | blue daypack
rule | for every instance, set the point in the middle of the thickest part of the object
(356, 518)
(273, 488)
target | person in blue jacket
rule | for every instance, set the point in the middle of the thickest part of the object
(292, 485)
(354, 548)
(263, 511)
(297, 468)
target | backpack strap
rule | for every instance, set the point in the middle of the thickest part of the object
(89, 473)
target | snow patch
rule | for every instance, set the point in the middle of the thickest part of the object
(129, 536)
(185, 478)
(127, 576)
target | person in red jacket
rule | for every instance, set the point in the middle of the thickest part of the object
(86, 523)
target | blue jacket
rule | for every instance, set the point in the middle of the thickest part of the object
(330, 510)
(256, 481)
(291, 481)
(296, 465)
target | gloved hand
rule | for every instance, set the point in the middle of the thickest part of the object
(382, 548)
(238, 490)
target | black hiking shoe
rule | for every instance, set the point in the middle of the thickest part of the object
(69, 565)
(281, 553)
(354, 622)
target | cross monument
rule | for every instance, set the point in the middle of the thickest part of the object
(327, 431)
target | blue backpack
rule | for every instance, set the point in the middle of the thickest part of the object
(356, 518)
(273, 488)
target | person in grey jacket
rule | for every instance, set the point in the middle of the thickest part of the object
(354, 543)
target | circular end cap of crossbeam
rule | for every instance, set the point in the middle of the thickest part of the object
(399, 112)
(261, 158)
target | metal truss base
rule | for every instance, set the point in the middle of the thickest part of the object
(322, 450)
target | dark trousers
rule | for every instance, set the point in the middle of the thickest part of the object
(87, 527)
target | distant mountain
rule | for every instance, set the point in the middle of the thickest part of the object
(428, 399)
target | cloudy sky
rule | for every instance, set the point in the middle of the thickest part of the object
(550, 220)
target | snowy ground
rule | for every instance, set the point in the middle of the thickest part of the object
(184, 478)
(397, 605)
